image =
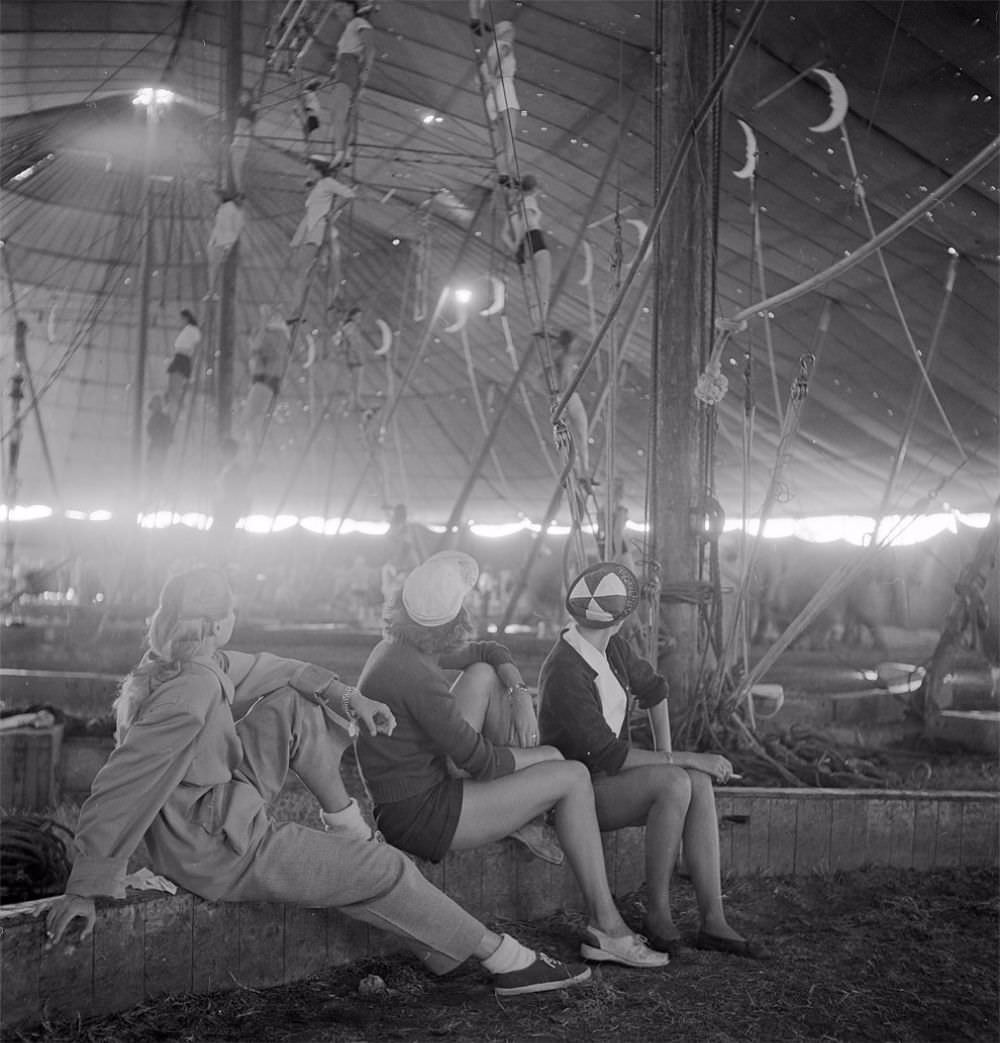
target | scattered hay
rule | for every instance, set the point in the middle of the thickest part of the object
(863, 957)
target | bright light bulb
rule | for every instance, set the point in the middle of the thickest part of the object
(463, 296)
(153, 96)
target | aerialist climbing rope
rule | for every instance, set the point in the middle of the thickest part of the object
(226, 231)
(524, 237)
(180, 366)
(496, 74)
(269, 347)
(354, 60)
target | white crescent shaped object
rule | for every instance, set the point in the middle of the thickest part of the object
(641, 227)
(749, 168)
(462, 319)
(499, 297)
(383, 348)
(588, 272)
(310, 351)
(838, 103)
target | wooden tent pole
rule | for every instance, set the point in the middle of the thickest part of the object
(691, 49)
(145, 281)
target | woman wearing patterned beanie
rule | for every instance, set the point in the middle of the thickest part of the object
(586, 689)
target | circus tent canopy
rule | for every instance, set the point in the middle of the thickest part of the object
(921, 84)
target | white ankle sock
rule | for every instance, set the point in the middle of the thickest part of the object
(510, 956)
(348, 822)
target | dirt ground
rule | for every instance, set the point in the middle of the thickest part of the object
(879, 955)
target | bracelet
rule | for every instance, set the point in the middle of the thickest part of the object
(349, 711)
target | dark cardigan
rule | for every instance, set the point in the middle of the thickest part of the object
(570, 716)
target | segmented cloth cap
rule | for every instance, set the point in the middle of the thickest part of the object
(602, 595)
(434, 591)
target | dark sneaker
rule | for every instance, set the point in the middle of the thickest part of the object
(543, 974)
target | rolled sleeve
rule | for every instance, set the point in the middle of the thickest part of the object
(129, 791)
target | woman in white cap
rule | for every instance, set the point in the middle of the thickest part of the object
(419, 805)
(586, 690)
(205, 740)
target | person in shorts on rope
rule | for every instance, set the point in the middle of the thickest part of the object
(463, 766)
(180, 366)
(524, 237)
(586, 689)
(353, 66)
(268, 356)
(205, 741)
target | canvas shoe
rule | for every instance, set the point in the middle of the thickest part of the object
(630, 950)
(541, 840)
(543, 974)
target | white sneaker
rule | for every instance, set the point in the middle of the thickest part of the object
(630, 950)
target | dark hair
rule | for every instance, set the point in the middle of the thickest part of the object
(449, 637)
(188, 316)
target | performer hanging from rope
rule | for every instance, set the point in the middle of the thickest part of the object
(246, 116)
(159, 435)
(347, 339)
(310, 110)
(502, 108)
(268, 353)
(576, 411)
(524, 237)
(179, 368)
(311, 234)
(355, 56)
(225, 233)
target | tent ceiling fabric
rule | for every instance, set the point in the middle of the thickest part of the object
(921, 80)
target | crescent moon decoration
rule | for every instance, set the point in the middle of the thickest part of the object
(838, 103)
(749, 168)
(462, 319)
(383, 348)
(588, 272)
(499, 297)
(641, 227)
(310, 352)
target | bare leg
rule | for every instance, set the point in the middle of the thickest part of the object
(701, 852)
(504, 132)
(673, 804)
(492, 810)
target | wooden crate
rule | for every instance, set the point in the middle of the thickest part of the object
(29, 759)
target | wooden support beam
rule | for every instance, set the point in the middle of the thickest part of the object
(691, 52)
